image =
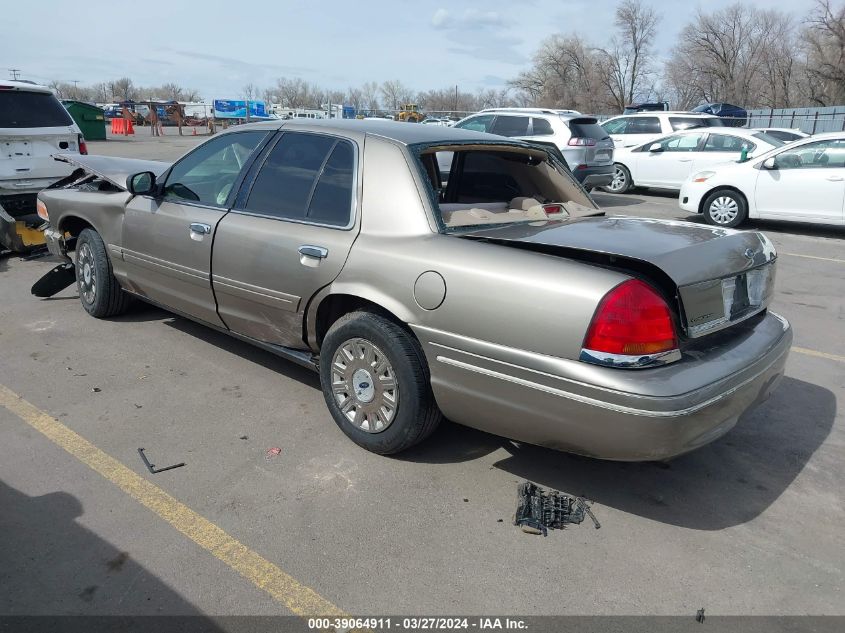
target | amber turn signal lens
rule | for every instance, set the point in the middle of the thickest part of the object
(41, 209)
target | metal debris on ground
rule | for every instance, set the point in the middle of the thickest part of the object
(152, 467)
(538, 511)
(272, 452)
(699, 616)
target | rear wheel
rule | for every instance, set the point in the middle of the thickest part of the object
(725, 207)
(99, 292)
(621, 180)
(376, 383)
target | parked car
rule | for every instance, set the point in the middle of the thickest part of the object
(33, 125)
(437, 121)
(787, 135)
(635, 129)
(666, 162)
(502, 300)
(584, 145)
(657, 106)
(733, 115)
(803, 181)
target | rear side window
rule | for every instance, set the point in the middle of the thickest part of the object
(587, 128)
(305, 177)
(510, 125)
(773, 139)
(541, 127)
(21, 109)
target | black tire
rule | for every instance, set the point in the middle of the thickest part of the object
(622, 176)
(94, 271)
(415, 415)
(725, 207)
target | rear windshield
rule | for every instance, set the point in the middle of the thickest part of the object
(20, 109)
(479, 186)
(587, 128)
(712, 122)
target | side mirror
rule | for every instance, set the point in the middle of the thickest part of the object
(655, 147)
(769, 163)
(142, 184)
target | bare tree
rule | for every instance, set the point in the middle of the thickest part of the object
(369, 94)
(823, 40)
(626, 67)
(124, 89)
(355, 98)
(293, 93)
(394, 92)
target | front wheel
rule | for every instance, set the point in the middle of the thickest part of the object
(99, 292)
(726, 208)
(376, 383)
(621, 180)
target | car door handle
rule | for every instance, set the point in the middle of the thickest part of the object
(313, 251)
(835, 178)
(202, 229)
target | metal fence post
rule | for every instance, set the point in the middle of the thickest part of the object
(815, 121)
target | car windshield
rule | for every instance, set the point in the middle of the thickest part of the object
(768, 138)
(22, 109)
(479, 185)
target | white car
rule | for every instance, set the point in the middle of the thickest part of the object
(635, 129)
(803, 181)
(666, 162)
(34, 125)
(785, 134)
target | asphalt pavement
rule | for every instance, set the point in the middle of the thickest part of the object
(751, 524)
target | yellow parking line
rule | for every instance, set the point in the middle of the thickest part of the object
(299, 599)
(812, 352)
(827, 259)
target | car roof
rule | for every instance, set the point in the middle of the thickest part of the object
(736, 131)
(404, 133)
(549, 111)
(23, 86)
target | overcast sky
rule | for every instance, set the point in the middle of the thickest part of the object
(216, 47)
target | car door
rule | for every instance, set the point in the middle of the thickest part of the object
(807, 182)
(721, 147)
(669, 166)
(638, 129)
(616, 129)
(167, 238)
(287, 236)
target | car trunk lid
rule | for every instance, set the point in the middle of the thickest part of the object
(717, 276)
(599, 154)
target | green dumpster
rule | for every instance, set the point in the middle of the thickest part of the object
(89, 118)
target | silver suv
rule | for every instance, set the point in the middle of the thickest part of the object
(586, 147)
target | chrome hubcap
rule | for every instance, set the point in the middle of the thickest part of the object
(86, 276)
(618, 180)
(724, 210)
(364, 385)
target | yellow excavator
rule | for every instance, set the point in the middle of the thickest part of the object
(410, 113)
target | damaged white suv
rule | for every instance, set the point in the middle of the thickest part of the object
(34, 125)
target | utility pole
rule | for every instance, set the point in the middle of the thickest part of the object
(455, 108)
(75, 82)
(14, 72)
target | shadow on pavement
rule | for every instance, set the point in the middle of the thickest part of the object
(51, 565)
(610, 200)
(726, 483)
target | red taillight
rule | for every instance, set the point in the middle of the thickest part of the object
(83, 148)
(632, 320)
(582, 141)
(552, 209)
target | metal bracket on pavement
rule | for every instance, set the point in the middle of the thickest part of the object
(152, 467)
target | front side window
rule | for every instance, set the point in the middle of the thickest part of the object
(306, 177)
(678, 143)
(208, 174)
(644, 125)
(819, 155)
(510, 125)
(727, 143)
(477, 123)
(684, 122)
(616, 126)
